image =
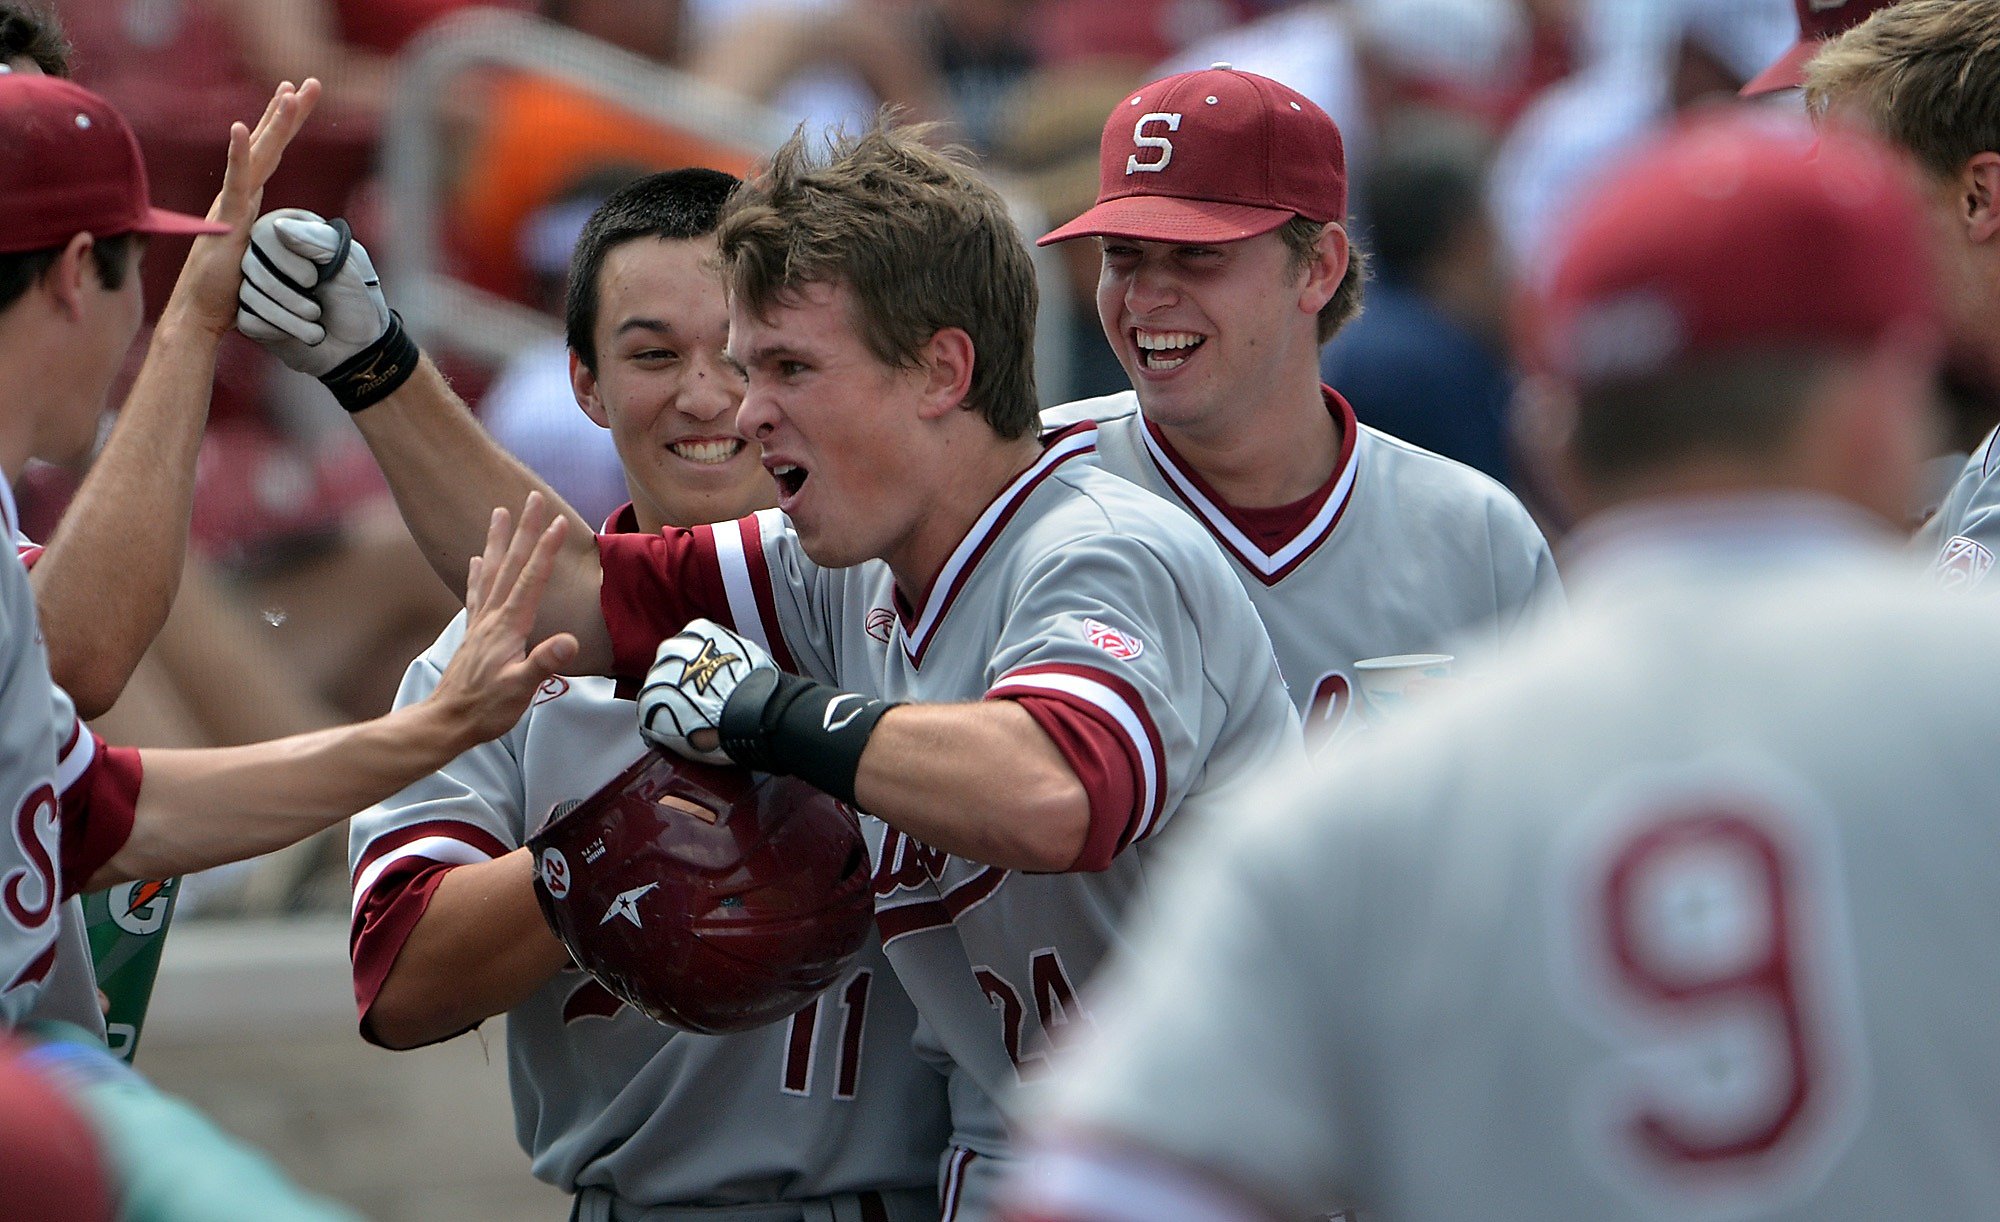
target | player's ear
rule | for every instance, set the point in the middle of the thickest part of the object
(947, 362)
(1324, 270)
(74, 271)
(584, 383)
(1979, 197)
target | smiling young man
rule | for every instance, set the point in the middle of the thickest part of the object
(613, 1107)
(1221, 205)
(1079, 665)
(1653, 923)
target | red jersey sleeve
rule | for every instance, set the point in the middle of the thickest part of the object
(655, 584)
(100, 796)
(393, 884)
(1099, 725)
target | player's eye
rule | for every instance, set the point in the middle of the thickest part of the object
(791, 369)
(655, 355)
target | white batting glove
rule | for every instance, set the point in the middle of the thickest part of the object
(692, 676)
(313, 308)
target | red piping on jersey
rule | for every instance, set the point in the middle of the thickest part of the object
(919, 627)
(1147, 807)
(904, 919)
(449, 829)
(752, 532)
(1233, 531)
(37, 970)
(954, 1183)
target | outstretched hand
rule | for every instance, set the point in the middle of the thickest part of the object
(205, 293)
(494, 674)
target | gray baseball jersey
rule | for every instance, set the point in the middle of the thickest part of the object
(55, 837)
(1403, 551)
(1112, 619)
(1962, 536)
(1672, 919)
(830, 1102)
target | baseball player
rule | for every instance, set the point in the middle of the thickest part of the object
(1027, 669)
(1652, 924)
(1903, 72)
(830, 1111)
(1221, 207)
(105, 583)
(83, 816)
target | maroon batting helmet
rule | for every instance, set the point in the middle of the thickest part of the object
(709, 898)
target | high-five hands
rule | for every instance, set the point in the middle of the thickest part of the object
(205, 293)
(493, 676)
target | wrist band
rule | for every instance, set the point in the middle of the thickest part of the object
(775, 722)
(373, 374)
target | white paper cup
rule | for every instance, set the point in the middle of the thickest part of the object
(1388, 685)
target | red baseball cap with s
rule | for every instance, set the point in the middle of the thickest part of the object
(1213, 156)
(1819, 20)
(70, 165)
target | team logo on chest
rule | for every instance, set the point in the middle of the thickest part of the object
(553, 686)
(1121, 645)
(880, 624)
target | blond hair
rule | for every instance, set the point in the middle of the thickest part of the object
(1926, 73)
(918, 239)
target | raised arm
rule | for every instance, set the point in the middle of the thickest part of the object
(205, 807)
(310, 294)
(107, 579)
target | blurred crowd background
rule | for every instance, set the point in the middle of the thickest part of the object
(466, 143)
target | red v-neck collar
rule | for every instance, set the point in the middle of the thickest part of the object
(917, 625)
(1235, 529)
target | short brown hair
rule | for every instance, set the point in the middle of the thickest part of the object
(1745, 404)
(1302, 240)
(27, 32)
(921, 242)
(1926, 72)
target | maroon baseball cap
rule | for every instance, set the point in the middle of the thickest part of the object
(69, 165)
(1213, 156)
(1819, 20)
(1733, 233)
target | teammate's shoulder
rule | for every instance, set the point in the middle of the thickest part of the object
(1415, 471)
(439, 652)
(1104, 410)
(1103, 509)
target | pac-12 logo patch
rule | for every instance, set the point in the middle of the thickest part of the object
(1121, 645)
(1963, 564)
(881, 624)
(555, 873)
